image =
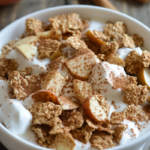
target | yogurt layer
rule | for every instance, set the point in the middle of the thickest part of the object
(105, 78)
(38, 66)
(15, 117)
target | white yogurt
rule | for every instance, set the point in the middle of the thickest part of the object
(38, 66)
(123, 52)
(101, 79)
(15, 117)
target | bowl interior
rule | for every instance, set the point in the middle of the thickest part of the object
(16, 28)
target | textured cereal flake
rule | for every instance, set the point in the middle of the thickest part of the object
(117, 117)
(47, 47)
(101, 140)
(135, 113)
(138, 41)
(33, 26)
(73, 119)
(76, 43)
(133, 62)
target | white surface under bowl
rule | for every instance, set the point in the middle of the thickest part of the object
(15, 29)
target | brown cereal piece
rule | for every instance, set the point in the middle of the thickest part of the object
(44, 139)
(142, 92)
(114, 59)
(7, 66)
(85, 24)
(100, 126)
(33, 26)
(64, 141)
(115, 31)
(31, 79)
(131, 80)
(127, 41)
(134, 94)
(58, 22)
(95, 48)
(74, 22)
(67, 22)
(76, 43)
(57, 63)
(18, 83)
(119, 132)
(43, 112)
(101, 35)
(130, 94)
(47, 47)
(83, 135)
(109, 48)
(133, 62)
(134, 113)
(72, 119)
(101, 140)
(101, 57)
(77, 33)
(6, 49)
(47, 113)
(25, 72)
(145, 58)
(138, 41)
(117, 117)
(81, 52)
(23, 85)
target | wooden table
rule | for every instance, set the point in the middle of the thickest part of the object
(10, 13)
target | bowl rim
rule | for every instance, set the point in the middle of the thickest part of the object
(130, 144)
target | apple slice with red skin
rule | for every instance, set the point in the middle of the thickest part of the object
(44, 96)
(93, 109)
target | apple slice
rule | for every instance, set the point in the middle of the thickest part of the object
(94, 39)
(44, 96)
(93, 109)
(143, 76)
(55, 55)
(66, 103)
(65, 141)
(54, 82)
(82, 89)
(52, 34)
(27, 40)
(27, 50)
(81, 66)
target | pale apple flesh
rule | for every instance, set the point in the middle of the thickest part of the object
(143, 76)
(66, 103)
(93, 109)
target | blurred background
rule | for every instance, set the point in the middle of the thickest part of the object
(13, 11)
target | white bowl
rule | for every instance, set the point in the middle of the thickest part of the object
(15, 29)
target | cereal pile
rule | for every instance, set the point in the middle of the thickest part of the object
(67, 106)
